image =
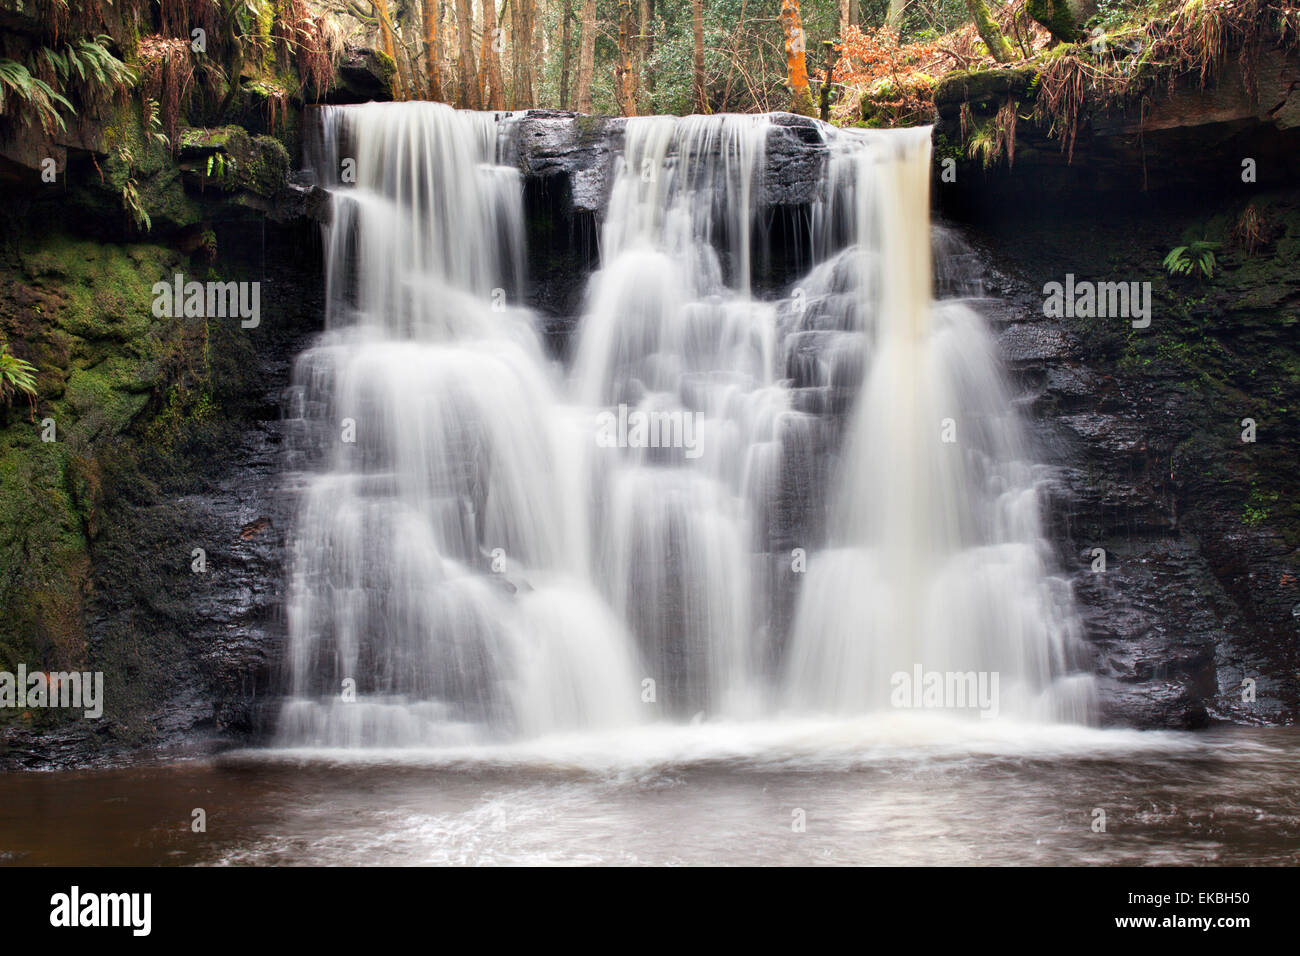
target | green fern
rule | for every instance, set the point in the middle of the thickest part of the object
(15, 376)
(155, 124)
(134, 207)
(17, 83)
(85, 71)
(92, 58)
(1187, 260)
(131, 201)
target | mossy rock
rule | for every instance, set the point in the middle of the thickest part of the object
(145, 165)
(227, 158)
(269, 167)
(268, 104)
(81, 311)
(383, 65)
(883, 89)
(985, 86)
(365, 74)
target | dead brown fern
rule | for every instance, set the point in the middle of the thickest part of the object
(179, 17)
(1004, 128)
(1201, 35)
(286, 20)
(1063, 85)
(312, 44)
(277, 109)
(1250, 234)
(166, 75)
(319, 52)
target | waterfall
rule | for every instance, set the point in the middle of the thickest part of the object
(489, 546)
(937, 563)
(673, 334)
(437, 590)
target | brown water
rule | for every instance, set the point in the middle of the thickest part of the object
(870, 792)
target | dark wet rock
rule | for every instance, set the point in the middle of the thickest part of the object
(1186, 137)
(579, 148)
(1032, 343)
(189, 655)
(1154, 618)
(583, 149)
(796, 160)
(364, 75)
(1202, 574)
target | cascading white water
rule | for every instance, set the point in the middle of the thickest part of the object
(437, 562)
(489, 548)
(937, 559)
(672, 330)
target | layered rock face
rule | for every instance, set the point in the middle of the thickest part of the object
(1187, 588)
(1198, 614)
(1186, 135)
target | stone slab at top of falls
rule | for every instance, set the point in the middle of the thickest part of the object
(551, 142)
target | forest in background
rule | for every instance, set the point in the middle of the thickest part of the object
(191, 60)
(629, 57)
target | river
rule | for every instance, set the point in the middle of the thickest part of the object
(891, 791)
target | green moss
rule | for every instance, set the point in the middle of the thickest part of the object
(1258, 506)
(187, 408)
(257, 164)
(209, 139)
(944, 148)
(102, 292)
(42, 552)
(986, 86)
(383, 65)
(84, 311)
(268, 166)
(1057, 16)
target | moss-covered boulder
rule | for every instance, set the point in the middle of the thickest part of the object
(132, 184)
(989, 87)
(364, 75)
(227, 159)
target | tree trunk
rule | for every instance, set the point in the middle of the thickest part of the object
(406, 75)
(894, 18)
(844, 17)
(465, 56)
(645, 50)
(824, 109)
(989, 32)
(521, 43)
(623, 72)
(587, 56)
(537, 69)
(388, 46)
(796, 66)
(432, 50)
(697, 24)
(1057, 16)
(491, 59)
(566, 52)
